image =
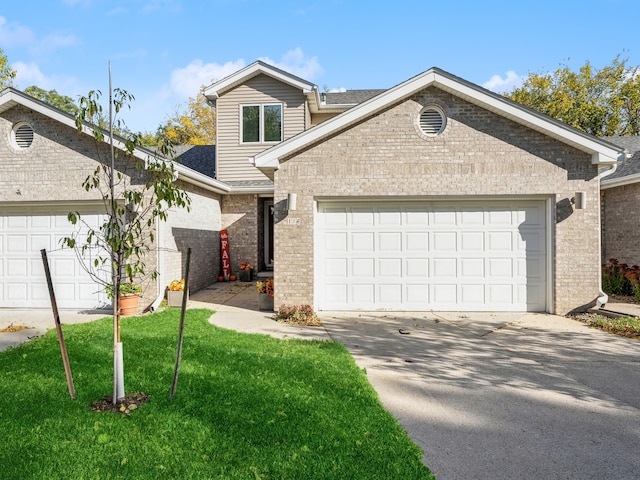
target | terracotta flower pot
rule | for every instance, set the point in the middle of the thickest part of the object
(129, 304)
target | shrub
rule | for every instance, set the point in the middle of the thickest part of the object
(298, 315)
(620, 279)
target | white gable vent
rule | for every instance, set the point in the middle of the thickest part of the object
(22, 135)
(432, 121)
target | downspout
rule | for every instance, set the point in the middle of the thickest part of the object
(160, 279)
(603, 298)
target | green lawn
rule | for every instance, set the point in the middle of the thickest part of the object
(246, 407)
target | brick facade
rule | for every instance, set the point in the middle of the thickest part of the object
(479, 154)
(620, 221)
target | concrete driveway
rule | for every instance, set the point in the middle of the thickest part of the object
(504, 396)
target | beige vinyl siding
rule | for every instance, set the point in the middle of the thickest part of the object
(232, 155)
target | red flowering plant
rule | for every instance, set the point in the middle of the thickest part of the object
(266, 287)
(245, 266)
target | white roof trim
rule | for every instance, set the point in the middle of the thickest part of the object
(601, 152)
(10, 97)
(216, 89)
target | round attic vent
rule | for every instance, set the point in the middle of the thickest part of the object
(432, 121)
(22, 135)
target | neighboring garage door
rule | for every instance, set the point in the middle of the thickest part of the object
(24, 231)
(468, 256)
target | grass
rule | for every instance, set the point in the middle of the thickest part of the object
(624, 326)
(246, 407)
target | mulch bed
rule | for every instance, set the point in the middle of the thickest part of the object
(124, 406)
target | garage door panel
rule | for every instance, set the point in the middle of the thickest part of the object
(363, 293)
(432, 255)
(472, 267)
(38, 242)
(390, 242)
(363, 267)
(445, 241)
(336, 242)
(416, 242)
(417, 268)
(417, 295)
(444, 268)
(472, 294)
(17, 243)
(362, 242)
(445, 294)
(472, 241)
(500, 267)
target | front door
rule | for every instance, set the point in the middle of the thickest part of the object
(268, 233)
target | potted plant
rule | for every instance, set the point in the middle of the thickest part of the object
(265, 295)
(175, 291)
(129, 297)
(245, 271)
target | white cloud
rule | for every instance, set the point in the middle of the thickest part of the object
(28, 74)
(337, 90)
(14, 34)
(295, 62)
(500, 85)
(186, 82)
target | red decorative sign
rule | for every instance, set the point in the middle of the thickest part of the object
(224, 251)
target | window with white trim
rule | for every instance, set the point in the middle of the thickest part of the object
(261, 123)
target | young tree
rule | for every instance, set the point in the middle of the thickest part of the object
(603, 102)
(137, 188)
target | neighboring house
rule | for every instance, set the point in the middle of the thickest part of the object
(43, 162)
(620, 200)
(433, 195)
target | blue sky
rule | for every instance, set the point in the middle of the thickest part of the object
(162, 51)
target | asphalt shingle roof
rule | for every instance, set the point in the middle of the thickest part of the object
(629, 166)
(350, 96)
(201, 158)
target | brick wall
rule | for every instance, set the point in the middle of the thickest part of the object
(198, 229)
(479, 153)
(240, 218)
(620, 222)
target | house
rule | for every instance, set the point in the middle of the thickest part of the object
(620, 197)
(43, 162)
(433, 195)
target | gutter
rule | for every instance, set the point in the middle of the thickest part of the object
(603, 298)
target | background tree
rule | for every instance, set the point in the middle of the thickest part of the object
(136, 192)
(52, 97)
(7, 74)
(195, 125)
(603, 102)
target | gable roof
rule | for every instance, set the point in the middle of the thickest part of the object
(10, 97)
(216, 89)
(601, 152)
(628, 170)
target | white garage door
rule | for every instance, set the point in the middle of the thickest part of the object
(24, 231)
(478, 256)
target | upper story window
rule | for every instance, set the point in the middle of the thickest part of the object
(262, 123)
